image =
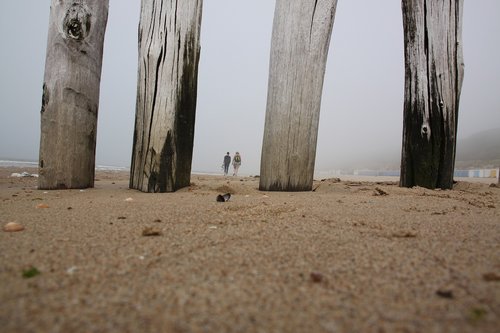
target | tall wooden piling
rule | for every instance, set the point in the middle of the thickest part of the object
(433, 80)
(169, 50)
(70, 99)
(299, 50)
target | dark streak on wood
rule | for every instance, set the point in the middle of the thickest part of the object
(186, 112)
(45, 97)
(312, 19)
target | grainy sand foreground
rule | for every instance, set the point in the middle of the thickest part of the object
(348, 257)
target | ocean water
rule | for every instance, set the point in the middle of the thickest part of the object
(33, 164)
(18, 164)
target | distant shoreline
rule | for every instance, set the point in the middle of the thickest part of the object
(357, 175)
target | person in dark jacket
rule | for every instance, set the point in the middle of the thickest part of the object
(227, 162)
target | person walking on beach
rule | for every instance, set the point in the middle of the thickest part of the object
(236, 163)
(227, 161)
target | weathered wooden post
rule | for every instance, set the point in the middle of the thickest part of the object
(71, 93)
(299, 50)
(169, 50)
(433, 81)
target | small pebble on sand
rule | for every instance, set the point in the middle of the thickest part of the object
(13, 227)
(379, 192)
(445, 293)
(491, 277)
(42, 206)
(316, 277)
(149, 231)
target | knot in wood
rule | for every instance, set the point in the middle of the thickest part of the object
(425, 131)
(76, 24)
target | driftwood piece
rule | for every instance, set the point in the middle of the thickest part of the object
(71, 93)
(169, 48)
(433, 81)
(299, 50)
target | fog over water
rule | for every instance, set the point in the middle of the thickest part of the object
(362, 106)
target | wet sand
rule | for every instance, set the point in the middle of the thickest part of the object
(352, 256)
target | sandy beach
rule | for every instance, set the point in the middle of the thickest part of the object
(351, 256)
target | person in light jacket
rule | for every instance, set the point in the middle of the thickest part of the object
(236, 163)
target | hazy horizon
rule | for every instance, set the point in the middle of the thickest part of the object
(362, 105)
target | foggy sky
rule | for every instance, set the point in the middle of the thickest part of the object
(362, 106)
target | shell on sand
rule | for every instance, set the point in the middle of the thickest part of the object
(13, 227)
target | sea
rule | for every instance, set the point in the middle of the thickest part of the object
(4, 163)
(34, 164)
